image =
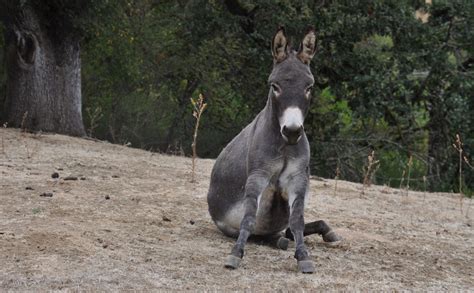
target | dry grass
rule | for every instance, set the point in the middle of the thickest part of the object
(154, 231)
(407, 172)
(369, 170)
(458, 146)
(94, 117)
(336, 177)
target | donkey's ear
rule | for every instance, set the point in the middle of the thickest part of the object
(279, 45)
(308, 46)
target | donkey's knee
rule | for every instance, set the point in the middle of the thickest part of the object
(227, 229)
(323, 229)
(317, 227)
(278, 241)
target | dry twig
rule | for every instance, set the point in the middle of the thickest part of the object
(458, 146)
(198, 108)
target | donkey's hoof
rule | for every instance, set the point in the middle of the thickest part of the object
(282, 243)
(232, 262)
(306, 266)
(332, 237)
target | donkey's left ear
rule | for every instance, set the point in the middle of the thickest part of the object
(307, 46)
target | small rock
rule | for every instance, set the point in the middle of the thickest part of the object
(105, 245)
(46, 194)
(166, 219)
(115, 176)
(29, 188)
(191, 222)
(107, 197)
(83, 178)
(70, 178)
(55, 175)
(60, 169)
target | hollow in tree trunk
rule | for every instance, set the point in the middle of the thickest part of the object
(43, 75)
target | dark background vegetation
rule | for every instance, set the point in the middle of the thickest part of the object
(385, 80)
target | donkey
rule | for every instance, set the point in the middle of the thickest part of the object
(260, 180)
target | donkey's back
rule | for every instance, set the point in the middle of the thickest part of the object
(227, 187)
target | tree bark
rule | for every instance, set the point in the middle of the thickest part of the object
(43, 75)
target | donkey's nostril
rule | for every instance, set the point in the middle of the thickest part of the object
(292, 134)
(292, 130)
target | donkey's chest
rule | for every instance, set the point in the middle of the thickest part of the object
(290, 175)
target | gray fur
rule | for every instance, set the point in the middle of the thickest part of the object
(260, 180)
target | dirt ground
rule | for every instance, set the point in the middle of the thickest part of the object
(133, 221)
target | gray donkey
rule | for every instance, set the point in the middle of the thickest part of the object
(260, 180)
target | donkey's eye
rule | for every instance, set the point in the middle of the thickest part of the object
(308, 91)
(276, 89)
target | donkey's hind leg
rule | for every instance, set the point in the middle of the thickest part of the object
(278, 241)
(317, 227)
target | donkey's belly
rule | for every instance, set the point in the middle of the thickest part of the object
(272, 215)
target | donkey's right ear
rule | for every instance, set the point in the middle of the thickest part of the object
(308, 46)
(279, 45)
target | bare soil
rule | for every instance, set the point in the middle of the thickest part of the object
(133, 220)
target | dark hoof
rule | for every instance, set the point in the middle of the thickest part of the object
(282, 243)
(306, 266)
(332, 237)
(232, 262)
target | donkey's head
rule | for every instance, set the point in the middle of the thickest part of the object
(291, 82)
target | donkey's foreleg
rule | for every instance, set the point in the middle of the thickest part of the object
(254, 187)
(305, 264)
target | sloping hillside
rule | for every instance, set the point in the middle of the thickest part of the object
(133, 220)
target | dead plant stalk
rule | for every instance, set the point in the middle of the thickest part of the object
(410, 163)
(372, 166)
(23, 135)
(458, 146)
(3, 143)
(198, 108)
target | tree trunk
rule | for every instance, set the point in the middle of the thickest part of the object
(43, 76)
